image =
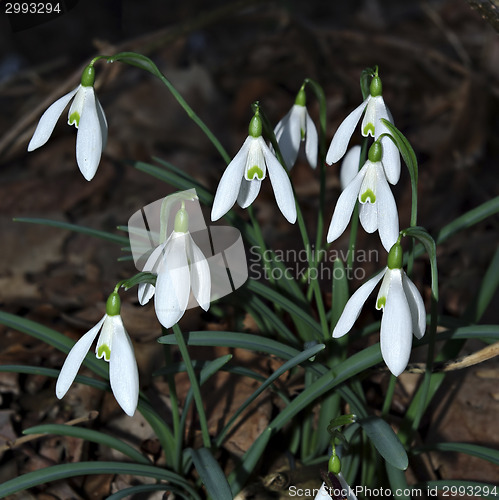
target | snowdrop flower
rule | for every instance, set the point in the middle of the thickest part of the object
(87, 115)
(375, 109)
(243, 176)
(378, 210)
(180, 266)
(115, 346)
(403, 312)
(294, 128)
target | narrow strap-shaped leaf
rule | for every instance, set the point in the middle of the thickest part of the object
(398, 483)
(296, 360)
(211, 474)
(89, 435)
(51, 337)
(385, 441)
(146, 488)
(483, 452)
(64, 471)
(104, 235)
(237, 339)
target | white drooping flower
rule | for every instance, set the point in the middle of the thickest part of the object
(403, 312)
(180, 266)
(87, 115)
(115, 346)
(375, 109)
(243, 176)
(369, 186)
(293, 129)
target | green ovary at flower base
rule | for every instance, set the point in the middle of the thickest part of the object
(403, 311)
(115, 346)
(243, 176)
(87, 115)
(294, 128)
(375, 109)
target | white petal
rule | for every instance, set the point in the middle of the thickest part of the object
(346, 487)
(354, 306)
(48, 120)
(200, 275)
(344, 207)
(228, 187)
(75, 359)
(146, 290)
(396, 326)
(290, 135)
(388, 219)
(342, 136)
(281, 184)
(323, 494)
(375, 110)
(123, 372)
(248, 192)
(350, 166)
(311, 142)
(368, 215)
(89, 138)
(173, 284)
(416, 305)
(102, 122)
(391, 155)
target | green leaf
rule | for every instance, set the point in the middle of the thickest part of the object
(89, 435)
(211, 474)
(235, 339)
(295, 361)
(51, 337)
(145, 488)
(483, 452)
(398, 483)
(137, 60)
(405, 149)
(104, 235)
(64, 471)
(385, 441)
(340, 294)
(421, 234)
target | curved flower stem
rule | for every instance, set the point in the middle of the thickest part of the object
(194, 384)
(147, 64)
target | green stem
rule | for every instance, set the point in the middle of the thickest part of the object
(147, 64)
(194, 384)
(170, 378)
(389, 395)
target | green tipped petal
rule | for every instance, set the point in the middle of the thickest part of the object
(368, 195)
(255, 172)
(381, 302)
(104, 350)
(74, 118)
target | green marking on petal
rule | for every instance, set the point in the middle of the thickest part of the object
(381, 303)
(104, 351)
(368, 129)
(255, 172)
(302, 133)
(74, 118)
(368, 194)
